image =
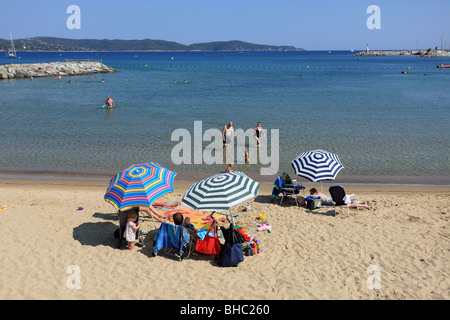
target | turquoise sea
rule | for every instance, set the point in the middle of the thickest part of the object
(385, 125)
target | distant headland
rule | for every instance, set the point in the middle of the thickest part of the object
(62, 44)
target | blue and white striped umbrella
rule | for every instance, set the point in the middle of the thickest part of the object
(317, 165)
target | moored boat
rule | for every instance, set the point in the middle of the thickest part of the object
(11, 54)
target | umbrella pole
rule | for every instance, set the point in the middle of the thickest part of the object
(232, 218)
(151, 214)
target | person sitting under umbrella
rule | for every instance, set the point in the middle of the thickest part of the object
(165, 203)
(152, 212)
(179, 220)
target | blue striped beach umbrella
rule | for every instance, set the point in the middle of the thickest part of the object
(317, 165)
(139, 185)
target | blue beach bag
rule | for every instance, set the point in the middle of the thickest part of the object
(232, 253)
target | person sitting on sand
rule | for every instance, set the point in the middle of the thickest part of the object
(179, 220)
(131, 228)
(229, 168)
(329, 201)
(326, 200)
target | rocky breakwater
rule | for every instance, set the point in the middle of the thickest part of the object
(15, 71)
(422, 53)
(389, 53)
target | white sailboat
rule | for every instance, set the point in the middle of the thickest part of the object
(12, 53)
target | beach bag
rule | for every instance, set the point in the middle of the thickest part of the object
(232, 253)
(247, 250)
(313, 203)
(209, 245)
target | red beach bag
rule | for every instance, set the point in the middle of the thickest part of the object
(209, 245)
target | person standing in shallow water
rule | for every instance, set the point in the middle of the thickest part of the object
(109, 103)
(227, 134)
(259, 131)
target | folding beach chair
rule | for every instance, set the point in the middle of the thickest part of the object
(341, 199)
(123, 219)
(288, 187)
(171, 236)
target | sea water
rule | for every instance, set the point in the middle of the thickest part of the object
(381, 122)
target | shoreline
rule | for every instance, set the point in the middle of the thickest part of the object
(183, 186)
(91, 175)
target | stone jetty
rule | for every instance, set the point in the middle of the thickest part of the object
(388, 53)
(420, 53)
(52, 69)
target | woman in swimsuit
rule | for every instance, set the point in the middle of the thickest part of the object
(258, 132)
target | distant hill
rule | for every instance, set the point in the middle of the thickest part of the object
(55, 44)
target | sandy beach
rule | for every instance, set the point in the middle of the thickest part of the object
(308, 255)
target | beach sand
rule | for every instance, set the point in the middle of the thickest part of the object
(308, 255)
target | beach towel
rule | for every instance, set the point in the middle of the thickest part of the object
(168, 236)
(279, 184)
(194, 215)
(202, 233)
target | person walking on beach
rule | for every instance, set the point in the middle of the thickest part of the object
(131, 228)
(227, 134)
(259, 132)
(109, 103)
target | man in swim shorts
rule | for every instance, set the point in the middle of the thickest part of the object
(227, 134)
(110, 103)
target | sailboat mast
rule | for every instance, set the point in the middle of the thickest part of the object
(12, 44)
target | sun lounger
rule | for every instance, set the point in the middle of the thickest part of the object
(341, 199)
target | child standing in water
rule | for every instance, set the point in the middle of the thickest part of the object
(131, 228)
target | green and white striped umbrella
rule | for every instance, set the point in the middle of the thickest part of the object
(221, 192)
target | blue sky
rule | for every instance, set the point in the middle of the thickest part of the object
(312, 24)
